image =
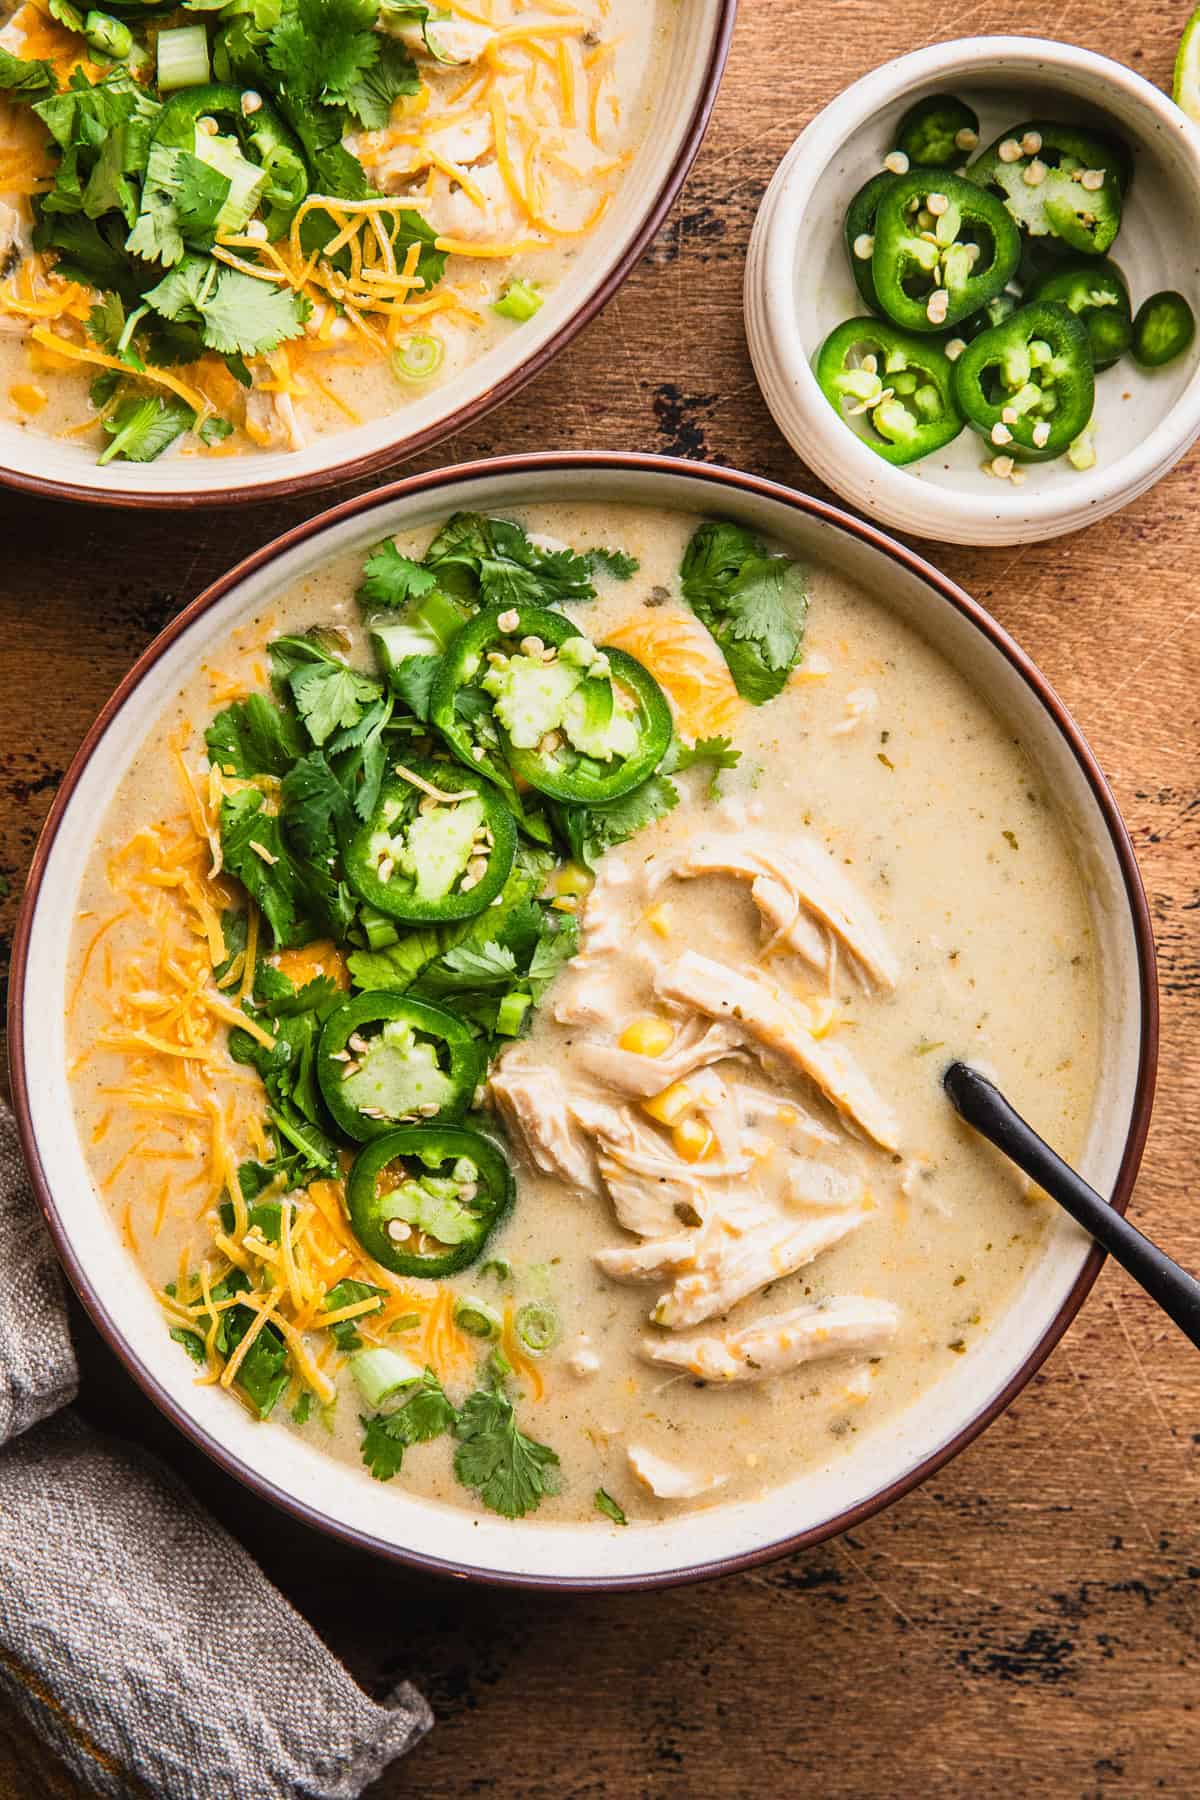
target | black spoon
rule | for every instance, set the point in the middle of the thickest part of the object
(982, 1105)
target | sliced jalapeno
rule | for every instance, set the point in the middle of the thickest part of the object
(423, 1200)
(523, 695)
(438, 847)
(938, 132)
(1097, 294)
(859, 231)
(1164, 328)
(263, 136)
(1028, 386)
(386, 1060)
(999, 307)
(943, 248)
(896, 391)
(1058, 180)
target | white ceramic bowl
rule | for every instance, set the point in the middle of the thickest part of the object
(798, 287)
(344, 1500)
(66, 469)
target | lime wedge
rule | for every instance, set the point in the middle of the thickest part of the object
(1186, 89)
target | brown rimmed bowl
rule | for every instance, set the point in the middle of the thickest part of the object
(65, 469)
(888, 1460)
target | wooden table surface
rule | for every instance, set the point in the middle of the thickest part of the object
(1027, 1620)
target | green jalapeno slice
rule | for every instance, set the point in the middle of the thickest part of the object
(1028, 385)
(1058, 181)
(943, 248)
(938, 132)
(438, 847)
(1164, 328)
(894, 390)
(859, 234)
(522, 695)
(1097, 294)
(385, 1060)
(424, 1200)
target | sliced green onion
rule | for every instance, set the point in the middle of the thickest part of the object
(537, 1327)
(519, 301)
(379, 929)
(476, 1317)
(511, 1012)
(499, 1266)
(418, 357)
(108, 35)
(406, 1322)
(67, 15)
(183, 58)
(382, 1373)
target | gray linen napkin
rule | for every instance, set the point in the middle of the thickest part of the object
(135, 1635)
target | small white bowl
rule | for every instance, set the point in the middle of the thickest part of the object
(882, 1464)
(798, 287)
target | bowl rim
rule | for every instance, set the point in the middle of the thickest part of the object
(723, 481)
(846, 462)
(401, 450)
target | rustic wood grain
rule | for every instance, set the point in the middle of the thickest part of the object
(1026, 1622)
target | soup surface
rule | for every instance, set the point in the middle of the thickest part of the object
(340, 246)
(747, 1226)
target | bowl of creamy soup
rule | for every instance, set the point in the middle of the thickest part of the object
(481, 1000)
(245, 255)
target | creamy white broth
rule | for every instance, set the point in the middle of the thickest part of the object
(941, 823)
(588, 114)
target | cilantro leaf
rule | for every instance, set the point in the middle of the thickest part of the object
(492, 965)
(181, 203)
(755, 605)
(554, 948)
(617, 563)
(605, 1504)
(718, 752)
(509, 1471)
(391, 579)
(25, 81)
(329, 695)
(320, 48)
(142, 428)
(86, 251)
(313, 805)
(253, 849)
(425, 1415)
(192, 1342)
(252, 737)
(106, 322)
(237, 314)
(591, 830)
(494, 562)
(345, 1333)
(413, 681)
(370, 95)
(398, 965)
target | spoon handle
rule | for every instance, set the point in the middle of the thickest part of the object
(984, 1106)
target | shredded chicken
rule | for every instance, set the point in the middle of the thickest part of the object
(695, 1048)
(776, 1023)
(773, 1345)
(818, 1184)
(650, 1260)
(536, 1109)
(727, 1271)
(273, 422)
(793, 877)
(666, 1480)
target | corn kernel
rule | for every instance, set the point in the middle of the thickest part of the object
(571, 879)
(565, 903)
(661, 919)
(28, 397)
(692, 1139)
(648, 1036)
(669, 1106)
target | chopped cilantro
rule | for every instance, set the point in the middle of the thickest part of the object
(509, 1471)
(755, 604)
(192, 1342)
(142, 428)
(345, 1333)
(616, 563)
(494, 562)
(425, 1415)
(392, 580)
(25, 81)
(605, 1504)
(329, 696)
(591, 830)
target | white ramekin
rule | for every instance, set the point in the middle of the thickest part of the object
(798, 287)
